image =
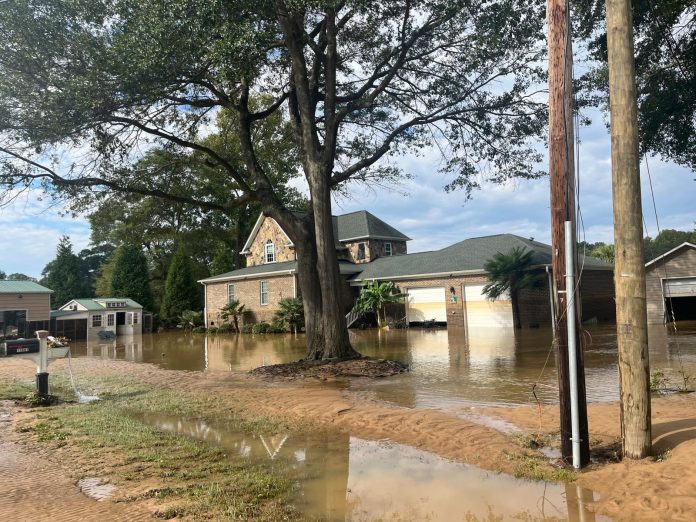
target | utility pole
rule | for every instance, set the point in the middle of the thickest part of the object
(562, 176)
(629, 268)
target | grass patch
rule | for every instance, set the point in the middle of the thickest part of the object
(192, 478)
(537, 467)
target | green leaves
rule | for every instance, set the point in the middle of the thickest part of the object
(509, 272)
(375, 296)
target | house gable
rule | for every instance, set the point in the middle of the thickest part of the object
(267, 231)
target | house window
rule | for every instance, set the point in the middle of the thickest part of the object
(96, 321)
(387, 249)
(263, 287)
(270, 252)
(361, 251)
(135, 317)
(110, 320)
(230, 293)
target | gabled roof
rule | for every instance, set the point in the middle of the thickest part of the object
(95, 303)
(363, 225)
(686, 244)
(22, 287)
(468, 256)
(273, 269)
(347, 227)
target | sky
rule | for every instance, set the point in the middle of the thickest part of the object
(31, 228)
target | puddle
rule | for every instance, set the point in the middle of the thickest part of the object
(96, 488)
(551, 453)
(86, 399)
(348, 478)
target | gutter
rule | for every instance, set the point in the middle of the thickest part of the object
(246, 276)
(359, 282)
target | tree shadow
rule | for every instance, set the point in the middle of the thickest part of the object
(668, 435)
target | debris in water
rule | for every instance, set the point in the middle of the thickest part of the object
(332, 368)
(96, 488)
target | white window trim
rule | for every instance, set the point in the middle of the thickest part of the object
(261, 293)
(230, 285)
(266, 246)
(390, 251)
(110, 320)
(101, 321)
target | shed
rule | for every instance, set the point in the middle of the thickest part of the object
(25, 307)
(83, 318)
(670, 281)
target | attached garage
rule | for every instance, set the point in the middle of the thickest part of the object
(480, 311)
(671, 285)
(426, 304)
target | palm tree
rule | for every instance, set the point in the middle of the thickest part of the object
(233, 309)
(189, 319)
(290, 313)
(374, 297)
(510, 273)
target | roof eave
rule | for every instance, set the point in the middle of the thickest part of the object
(247, 276)
(666, 254)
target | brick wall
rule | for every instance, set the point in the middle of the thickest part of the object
(269, 229)
(248, 292)
(680, 264)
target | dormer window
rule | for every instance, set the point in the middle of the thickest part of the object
(387, 249)
(269, 250)
(361, 251)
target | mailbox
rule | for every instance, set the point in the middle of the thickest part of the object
(19, 347)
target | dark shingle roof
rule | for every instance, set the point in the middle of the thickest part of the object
(468, 255)
(274, 269)
(22, 287)
(362, 224)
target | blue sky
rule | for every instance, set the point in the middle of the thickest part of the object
(31, 228)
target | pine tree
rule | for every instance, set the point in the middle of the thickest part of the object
(130, 275)
(65, 275)
(181, 290)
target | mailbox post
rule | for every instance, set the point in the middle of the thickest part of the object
(42, 363)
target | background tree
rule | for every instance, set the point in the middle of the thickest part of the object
(181, 291)
(509, 273)
(188, 319)
(600, 250)
(65, 275)
(3, 275)
(234, 309)
(18, 276)
(665, 62)
(465, 74)
(374, 297)
(130, 276)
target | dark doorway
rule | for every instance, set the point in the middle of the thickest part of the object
(120, 318)
(683, 308)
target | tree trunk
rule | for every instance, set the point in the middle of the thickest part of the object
(515, 310)
(336, 342)
(311, 297)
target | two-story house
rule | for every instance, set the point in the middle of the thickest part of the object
(271, 271)
(445, 286)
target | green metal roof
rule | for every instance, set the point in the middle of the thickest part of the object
(93, 302)
(466, 256)
(271, 269)
(22, 287)
(362, 224)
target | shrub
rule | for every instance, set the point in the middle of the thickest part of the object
(199, 329)
(260, 328)
(290, 315)
(213, 329)
(248, 328)
(226, 328)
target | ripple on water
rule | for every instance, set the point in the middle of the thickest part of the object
(96, 488)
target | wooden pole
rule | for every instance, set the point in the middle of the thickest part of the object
(629, 268)
(562, 174)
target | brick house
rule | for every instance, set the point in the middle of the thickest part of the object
(442, 285)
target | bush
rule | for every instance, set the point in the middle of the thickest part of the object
(199, 329)
(248, 328)
(226, 328)
(261, 328)
(213, 329)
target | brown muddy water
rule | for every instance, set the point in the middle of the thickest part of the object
(347, 478)
(451, 370)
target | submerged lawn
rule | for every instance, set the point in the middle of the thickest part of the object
(183, 476)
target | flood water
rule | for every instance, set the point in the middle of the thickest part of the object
(452, 370)
(347, 478)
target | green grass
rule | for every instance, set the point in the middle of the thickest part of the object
(195, 479)
(537, 467)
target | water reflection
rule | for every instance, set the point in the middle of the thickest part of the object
(451, 369)
(347, 478)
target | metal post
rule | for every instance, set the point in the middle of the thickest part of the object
(572, 344)
(42, 366)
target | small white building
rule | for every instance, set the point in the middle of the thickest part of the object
(82, 318)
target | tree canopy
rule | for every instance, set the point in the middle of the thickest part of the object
(665, 61)
(130, 276)
(65, 275)
(181, 291)
(360, 82)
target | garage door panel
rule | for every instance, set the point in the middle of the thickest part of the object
(426, 304)
(480, 311)
(682, 287)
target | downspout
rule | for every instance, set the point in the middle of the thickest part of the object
(205, 304)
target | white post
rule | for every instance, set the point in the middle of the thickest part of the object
(42, 363)
(572, 346)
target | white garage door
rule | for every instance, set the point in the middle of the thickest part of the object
(426, 304)
(480, 311)
(680, 287)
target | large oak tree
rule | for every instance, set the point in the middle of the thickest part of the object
(88, 85)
